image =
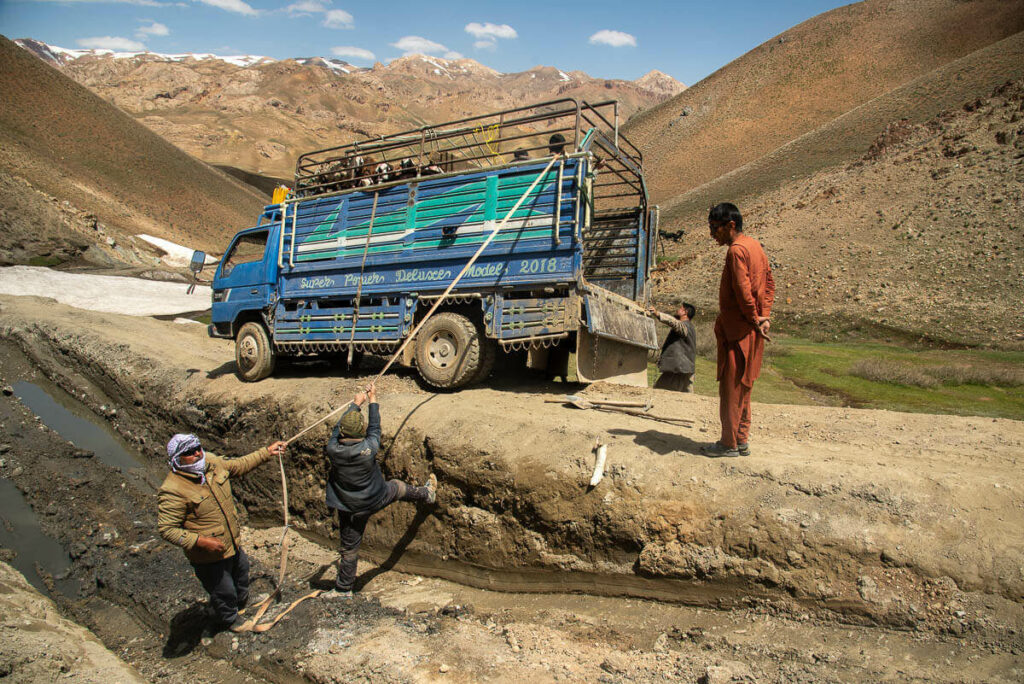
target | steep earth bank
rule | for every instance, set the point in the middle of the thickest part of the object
(138, 595)
(833, 500)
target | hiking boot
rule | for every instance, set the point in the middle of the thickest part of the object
(432, 489)
(719, 450)
(744, 449)
(337, 594)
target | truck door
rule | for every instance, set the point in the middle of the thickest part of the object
(242, 282)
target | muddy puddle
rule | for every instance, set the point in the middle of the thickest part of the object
(21, 534)
(66, 416)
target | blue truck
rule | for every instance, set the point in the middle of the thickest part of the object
(373, 233)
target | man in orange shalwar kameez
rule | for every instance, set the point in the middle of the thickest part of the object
(745, 298)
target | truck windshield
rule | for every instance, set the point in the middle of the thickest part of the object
(246, 249)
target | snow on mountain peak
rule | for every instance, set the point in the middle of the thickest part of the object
(54, 53)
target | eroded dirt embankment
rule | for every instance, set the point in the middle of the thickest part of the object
(876, 516)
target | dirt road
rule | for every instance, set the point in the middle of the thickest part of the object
(845, 528)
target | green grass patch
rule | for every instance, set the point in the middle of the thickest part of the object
(47, 261)
(880, 376)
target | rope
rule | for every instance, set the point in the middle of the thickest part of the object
(362, 268)
(252, 624)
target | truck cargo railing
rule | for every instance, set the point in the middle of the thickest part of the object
(504, 138)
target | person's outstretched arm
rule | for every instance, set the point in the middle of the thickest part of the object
(243, 464)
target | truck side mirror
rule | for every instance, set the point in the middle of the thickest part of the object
(198, 261)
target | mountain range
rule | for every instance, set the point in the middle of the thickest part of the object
(258, 114)
(875, 149)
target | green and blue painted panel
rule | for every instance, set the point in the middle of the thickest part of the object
(423, 234)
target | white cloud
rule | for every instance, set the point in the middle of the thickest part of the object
(306, 7)
(413, 44)
(353, 52)
(338, 19)
(236, 6)
(111, 43)
(452, 54)
(485, 45)
(613, 38)
(154, 29)
(489, 30)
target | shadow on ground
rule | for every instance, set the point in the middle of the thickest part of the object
(661, 442)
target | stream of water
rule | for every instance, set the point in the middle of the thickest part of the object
(74, 422)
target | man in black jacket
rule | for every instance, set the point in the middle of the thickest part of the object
(679, 353)
(356, 488)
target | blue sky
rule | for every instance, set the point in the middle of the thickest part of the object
(687, 40)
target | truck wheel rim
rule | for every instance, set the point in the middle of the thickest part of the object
(247, 351)
(442, 350)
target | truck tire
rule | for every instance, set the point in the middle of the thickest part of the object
(488, 354)
(254, 356)
(448, 351)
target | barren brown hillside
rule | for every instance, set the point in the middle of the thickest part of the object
(806, 77)
(845, 138)
(923, 234)
(261, 117)
(66, 142)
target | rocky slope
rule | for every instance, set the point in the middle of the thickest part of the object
(259, 115)
(805, 77)
(60, 143)
(922, 234)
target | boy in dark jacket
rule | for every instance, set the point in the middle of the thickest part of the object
(356, 488)
(679, 353)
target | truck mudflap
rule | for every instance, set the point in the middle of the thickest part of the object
(614, 343)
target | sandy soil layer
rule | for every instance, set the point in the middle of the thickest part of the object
(861, 522)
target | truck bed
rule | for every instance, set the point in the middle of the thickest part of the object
(423, 233)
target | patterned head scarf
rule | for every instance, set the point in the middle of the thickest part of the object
(181, 445)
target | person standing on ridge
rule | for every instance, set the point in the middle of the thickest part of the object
(197, 513)
(679, 352)
(745, 297)
(356, 488)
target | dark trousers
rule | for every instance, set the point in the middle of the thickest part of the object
(227, 583)
(677, 382)
(352, 526)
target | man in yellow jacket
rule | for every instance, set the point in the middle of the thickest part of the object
(197, 513)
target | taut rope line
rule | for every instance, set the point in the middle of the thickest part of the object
(251, 624)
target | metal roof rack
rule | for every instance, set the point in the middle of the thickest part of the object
(506, 138)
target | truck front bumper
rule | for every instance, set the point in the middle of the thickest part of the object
(222, 330)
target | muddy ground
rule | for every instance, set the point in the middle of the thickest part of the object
(851, 545)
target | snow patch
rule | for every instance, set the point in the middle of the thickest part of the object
(438, 68)
(564, 76)
(110, 294)
(237, 60)
(331, 64)
(177, 255)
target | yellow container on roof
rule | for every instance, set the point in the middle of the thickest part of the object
(280, 194)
